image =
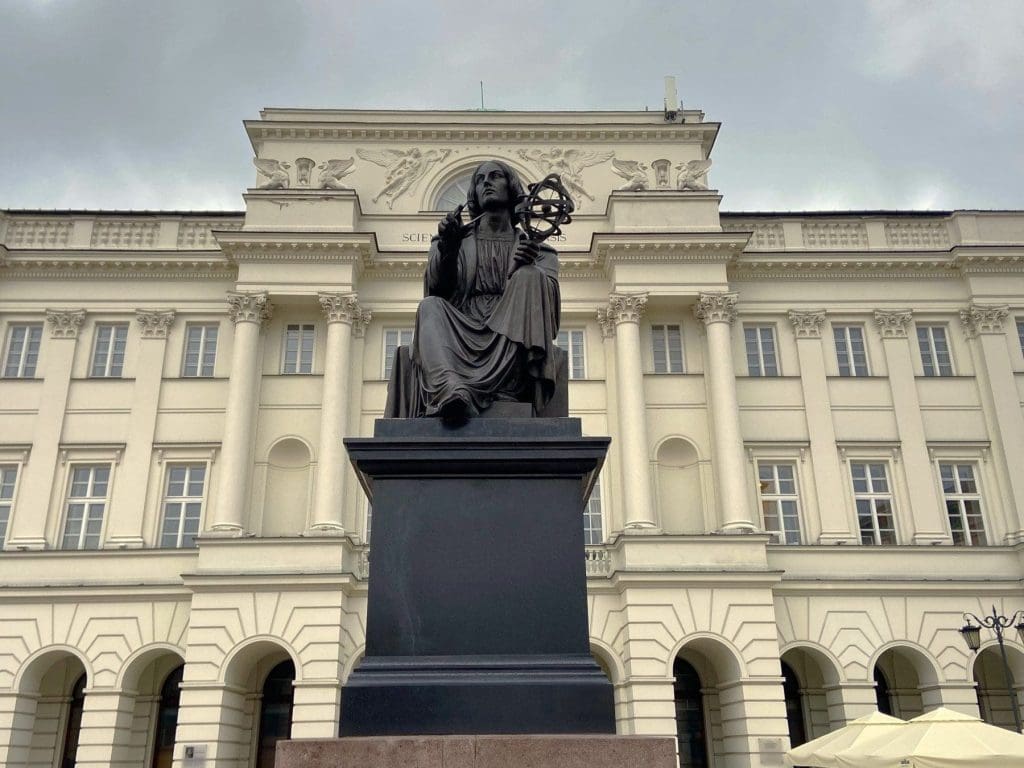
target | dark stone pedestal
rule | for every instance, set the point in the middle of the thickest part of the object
(479, 752)
(477, 613)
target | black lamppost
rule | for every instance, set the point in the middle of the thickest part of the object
(997, 623)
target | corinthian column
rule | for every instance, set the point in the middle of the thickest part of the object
(248, 311)
(718, 312)
(343, 314)
(624, 310)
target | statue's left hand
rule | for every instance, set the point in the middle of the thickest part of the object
(526, 253)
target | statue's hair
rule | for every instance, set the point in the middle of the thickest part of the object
(516, 191)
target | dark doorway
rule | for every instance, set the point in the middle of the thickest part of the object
(275, 712)
(690, 731)
(73, 729)
(167, 719)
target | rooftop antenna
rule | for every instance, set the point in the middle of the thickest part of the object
(481, 95)
(672, 102)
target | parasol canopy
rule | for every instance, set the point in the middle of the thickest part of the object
(821, 752)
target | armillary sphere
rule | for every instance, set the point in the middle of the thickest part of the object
(546, 208)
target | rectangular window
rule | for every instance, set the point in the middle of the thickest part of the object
(369, 522)
(108, 352)
(86, 504)
(1020, 334)
(393, 339)
(571, 340)
(8, 475)
(200, 350)
(593, 528)
(873, 498)
(183, 505)
(760, 347)
(935, 359)
(298, 349)
(667, 346)
(850, 351)
(776, 487)
(22, 351)
(963, 503)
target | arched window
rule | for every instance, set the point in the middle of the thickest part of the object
(275, 712)
(73, 727)
(883, 700)
(454, 193)
(690, 732)
(167, 719)
(794, 706)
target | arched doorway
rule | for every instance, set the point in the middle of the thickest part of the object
(73, 724)
(883, 698)
(900, 675)
(167, 719)
(994, 701)
(796, 714)
(691, 720)
(275, 721)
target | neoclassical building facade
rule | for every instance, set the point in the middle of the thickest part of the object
(816, 422)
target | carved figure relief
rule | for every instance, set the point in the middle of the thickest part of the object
(303, 170)
(333, 171)
(276, 173)
(661, 173)
(404, 169)
(691, 173)
(634, 172)
(567, 163)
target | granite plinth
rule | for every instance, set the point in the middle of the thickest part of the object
(525, 751)
(477, 612)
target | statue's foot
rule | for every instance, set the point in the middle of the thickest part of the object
(455, 411)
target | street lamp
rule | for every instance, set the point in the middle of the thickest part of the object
(972, 636)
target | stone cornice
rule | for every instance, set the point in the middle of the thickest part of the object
(64, 323)
(807, 322)
(154, 323)
(984, 319)
(249, 307)
(694, 247)
(71, 264)
(347, 247)
(828, 266)
(892, 324)
(716, 308)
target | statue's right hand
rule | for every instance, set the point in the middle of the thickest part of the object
(450, 228)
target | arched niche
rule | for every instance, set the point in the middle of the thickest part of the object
(680, 494)
(287, 493)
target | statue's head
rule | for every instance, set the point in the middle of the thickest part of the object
(515, 187)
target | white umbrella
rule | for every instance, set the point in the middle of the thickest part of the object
(942, 738)
(821, 751)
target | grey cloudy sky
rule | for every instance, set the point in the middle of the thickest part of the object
(824, 104)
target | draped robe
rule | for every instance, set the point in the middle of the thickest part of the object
(480, 335)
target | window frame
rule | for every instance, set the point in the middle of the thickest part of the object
(386, 366)
(302, 327)
(780, 536)
(850, 361)
(10, 502)
(571, 349)
(662, 330)
(872, 496)
(87, 501)
(108, 364)
(589, 514)
(961, 496)
(761, 370)
(183, 500)
(1019, 323)
(203, 344)
(932, 363)
(23, 354)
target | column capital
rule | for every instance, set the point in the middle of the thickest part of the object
(716, 308)
(625, 307)
(155, 323)
(64, 323)
(607, 322)
(807, 322)
(249, 307)
(892, 324)
(984, 318)
(341, 307)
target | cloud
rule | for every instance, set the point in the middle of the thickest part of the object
(975, 45)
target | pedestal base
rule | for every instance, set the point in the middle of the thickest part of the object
(525, 751)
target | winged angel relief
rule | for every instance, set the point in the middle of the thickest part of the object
(404, 169)
(567, 163)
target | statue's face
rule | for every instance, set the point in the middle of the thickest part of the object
(491, 186)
